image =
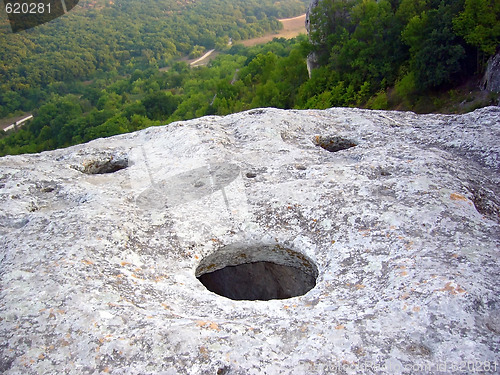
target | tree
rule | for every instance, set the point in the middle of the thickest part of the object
(260, 67)
(436, 52)
(330, 21)
(479, 25)
(373, 52)
(160, 105)
(410, 8)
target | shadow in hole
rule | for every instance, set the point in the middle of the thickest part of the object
(258, 281)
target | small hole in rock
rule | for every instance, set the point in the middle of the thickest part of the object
(257, 272)
(103, 166)
(251, 175)
(334, 144)
(485, 202)
(256, 112)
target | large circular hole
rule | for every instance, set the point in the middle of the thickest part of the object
(257, 272)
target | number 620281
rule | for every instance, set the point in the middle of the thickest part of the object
(27, 8)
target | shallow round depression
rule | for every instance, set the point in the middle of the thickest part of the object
(257, 272)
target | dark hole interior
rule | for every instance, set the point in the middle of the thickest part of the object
(334, 144)
(112, 168)
(258, 281)
(105, 166)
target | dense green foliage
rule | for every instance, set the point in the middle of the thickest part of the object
(244, 78)
(368, 46)
(101, 37)
(370, 53)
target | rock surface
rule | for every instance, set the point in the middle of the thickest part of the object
(491, 78)
(312, 58)
(100, 244)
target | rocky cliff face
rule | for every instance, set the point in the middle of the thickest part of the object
(312, 59)
(312, 5)
(491, 78)
(391, 218)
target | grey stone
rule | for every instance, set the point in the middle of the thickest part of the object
(491, 78)
(312, 59)
(400, 232)
(312, 5)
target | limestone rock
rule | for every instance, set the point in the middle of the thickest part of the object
(491, 78)
(313, 4)
(312, 59)
(397, 214)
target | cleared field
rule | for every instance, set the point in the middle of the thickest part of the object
(291, 28)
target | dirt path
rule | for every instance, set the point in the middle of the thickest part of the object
(200, 61)
(292, 27)
(10, 123)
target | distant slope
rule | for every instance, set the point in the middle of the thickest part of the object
(100, 36)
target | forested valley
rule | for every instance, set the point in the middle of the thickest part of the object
(111, 67)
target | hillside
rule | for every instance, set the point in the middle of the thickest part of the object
(99, 38)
